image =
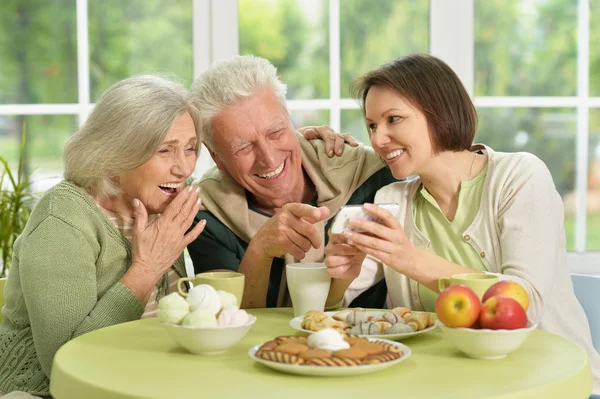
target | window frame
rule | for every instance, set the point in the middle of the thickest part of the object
(215, 36)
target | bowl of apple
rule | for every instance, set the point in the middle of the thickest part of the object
(487, 329)
(206, 322)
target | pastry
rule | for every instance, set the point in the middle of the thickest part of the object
(418, 321)
(367, 328)
(357, 316)
(383, 326)
(401, 311)
(392, 318)
(399, 328)
(341, 315)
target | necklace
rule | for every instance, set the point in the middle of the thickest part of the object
(472, 163)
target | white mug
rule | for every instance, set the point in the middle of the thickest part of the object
(308, 284)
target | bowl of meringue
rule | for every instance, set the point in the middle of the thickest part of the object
(206, 322)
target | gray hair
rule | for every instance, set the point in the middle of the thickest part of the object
(227, 82)
(125, 128)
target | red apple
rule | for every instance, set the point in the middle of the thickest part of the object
(501, 312)
(458, 306)
(510, 289)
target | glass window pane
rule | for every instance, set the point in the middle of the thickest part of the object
(294, 36)
(138, 36)
(525, 47)
(353, 122)
(38, 52)
(594, 48)
(317, 117)
(375, 32)
(549, 133)
(46, 138)
(593, 194)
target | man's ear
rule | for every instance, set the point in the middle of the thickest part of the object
(216, 159)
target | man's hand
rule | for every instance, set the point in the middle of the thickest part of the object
(334, 142)
(291, 231)
(343, 260)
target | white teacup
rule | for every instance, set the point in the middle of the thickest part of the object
(308, 284)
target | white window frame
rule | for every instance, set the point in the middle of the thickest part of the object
(215, 36)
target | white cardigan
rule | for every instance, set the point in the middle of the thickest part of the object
(518, 232)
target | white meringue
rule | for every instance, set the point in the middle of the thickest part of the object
(327, 339)
(227, 299)
(205, 297)
(232, 316)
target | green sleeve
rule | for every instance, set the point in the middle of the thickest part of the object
(58, 275)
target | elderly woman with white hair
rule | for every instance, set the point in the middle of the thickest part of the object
(95, 251)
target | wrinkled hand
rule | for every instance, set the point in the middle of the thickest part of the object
(291, 231)
(156, 246)
(387, 241)
(343, 261)
(334, 142)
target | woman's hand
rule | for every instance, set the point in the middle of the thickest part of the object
(343, 261)
(334, 142)
(156, 246)
(385, 241)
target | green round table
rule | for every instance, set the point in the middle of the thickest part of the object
(139, 360)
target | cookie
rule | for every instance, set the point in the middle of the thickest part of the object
(291, 339)
(291, 348)
(315, 353)
(354, 340)
(371, 348)
(389, 347)
(354, 352)
(279, 357)
(333, 361)
(381, 358)
(269, 345)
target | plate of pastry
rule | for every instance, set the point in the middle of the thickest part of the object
(394, 324)
(327, 353)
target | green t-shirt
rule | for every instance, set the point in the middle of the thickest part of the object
(219, 248)
(446, 237)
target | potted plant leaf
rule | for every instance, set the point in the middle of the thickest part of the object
(16, 203)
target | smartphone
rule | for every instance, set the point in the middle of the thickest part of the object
(340, 222)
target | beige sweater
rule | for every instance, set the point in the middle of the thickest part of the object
(518, 232)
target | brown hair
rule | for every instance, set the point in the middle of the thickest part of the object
(433, 87)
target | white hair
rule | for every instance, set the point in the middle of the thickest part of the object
(125, 128)
(228, 81)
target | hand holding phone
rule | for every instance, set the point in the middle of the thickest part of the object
(340, 222)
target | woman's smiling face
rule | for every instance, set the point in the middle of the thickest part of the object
(156, 182)
(398, 130)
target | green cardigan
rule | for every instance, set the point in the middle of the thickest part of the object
(63, 282)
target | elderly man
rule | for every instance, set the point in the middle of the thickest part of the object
(272, 194)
